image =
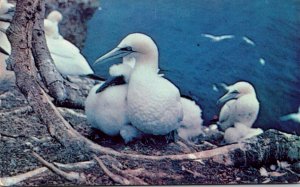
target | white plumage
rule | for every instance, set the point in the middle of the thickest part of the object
(107, 110)
(242, 106)
(153, 103)
(66, 56)
(217, 38)
(191, 125)
(5, 75)
(240, 132)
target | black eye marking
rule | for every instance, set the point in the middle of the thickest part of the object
(235, 92)
(128, 48)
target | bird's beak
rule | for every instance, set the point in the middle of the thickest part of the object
(113, 54)
(230, 95)
(112, 81)
(3, 51)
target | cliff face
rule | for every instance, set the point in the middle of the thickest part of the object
(76, 15)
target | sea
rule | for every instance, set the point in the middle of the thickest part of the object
(197, 65)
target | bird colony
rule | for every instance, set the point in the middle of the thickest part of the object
(136, 100)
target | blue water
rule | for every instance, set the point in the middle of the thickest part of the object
(194, 63)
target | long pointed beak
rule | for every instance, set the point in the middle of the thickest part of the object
(112, 81)
(227, 97)
(113, 54)
(3, 51)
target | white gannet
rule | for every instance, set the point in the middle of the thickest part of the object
(66, 56)
(153, 103)
(248, 41)
(6, 77)
(217, 38)
(294, 116)
(105, 105)
(241, 106)
(240, 132)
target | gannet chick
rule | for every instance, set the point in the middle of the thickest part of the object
(66, 56)
(240, 132)
(217, 38)
(294, 117)
(105, 106)
(153, 103)
(241, 106)
(191, 125)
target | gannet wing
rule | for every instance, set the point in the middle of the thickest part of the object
(226, 37)
(286, 117)
(208, 36)
(225, 117)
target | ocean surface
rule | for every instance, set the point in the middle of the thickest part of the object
(194, 63)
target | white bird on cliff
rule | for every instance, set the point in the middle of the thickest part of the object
(66, 56)
(241, 106)
(6, 77)
(217, 38)
(294, 117)
(153, 103)
(105, 105)
(240, 132)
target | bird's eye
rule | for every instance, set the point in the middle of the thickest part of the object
(128, 48)
(235, 92)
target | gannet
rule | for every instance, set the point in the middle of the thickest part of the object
(105, 105)
(6, 77)
(66, 56)
(294, 116)
(217, 38)
(248, 41)
(191, 125)
(153, 103)
(240, 132)
(241, 106)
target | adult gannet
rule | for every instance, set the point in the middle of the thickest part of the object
(294, 116)
(240, 132)
(217, 38)
(66, 56)
(6, 77)
(153, 103)
(241, 106)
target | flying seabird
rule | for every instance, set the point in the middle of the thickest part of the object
(217, 38)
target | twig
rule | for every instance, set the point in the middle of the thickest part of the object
(10, 181)
(114, 177)
(194, 173)
(64, 111)
(71, 176)
(77, 165)
(135, 180)
(16, 111)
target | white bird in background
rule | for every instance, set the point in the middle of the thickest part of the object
(294, 117)
(241, 106)
(240, 132)
(153, 103)
(248, 41)
(262, 61)
(217, 38)
(66, 56)
(6, 77)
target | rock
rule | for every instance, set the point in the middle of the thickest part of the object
(296, 167)
(76, 14)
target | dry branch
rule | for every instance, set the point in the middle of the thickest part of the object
(71, 176)
(11, 181)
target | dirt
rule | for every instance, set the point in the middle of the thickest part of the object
(16, 143)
